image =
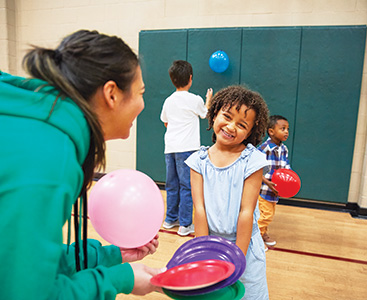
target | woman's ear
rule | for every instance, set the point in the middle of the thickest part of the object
(110, 92)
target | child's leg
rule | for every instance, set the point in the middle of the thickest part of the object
(254, 277)
(172, 188)
(183, 171)
(267, 211)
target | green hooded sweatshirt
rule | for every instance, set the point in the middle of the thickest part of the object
(40, 178)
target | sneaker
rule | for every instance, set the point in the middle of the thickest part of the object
(171, 225)
(266, 248)
(186, 230)
(268, 240)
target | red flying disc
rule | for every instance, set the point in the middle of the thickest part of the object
(194, 275)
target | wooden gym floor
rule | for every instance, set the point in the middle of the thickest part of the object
(319, 255)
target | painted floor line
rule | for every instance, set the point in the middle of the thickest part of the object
(357, 261)
(363, 262)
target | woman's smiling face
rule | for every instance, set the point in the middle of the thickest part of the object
(130, 106)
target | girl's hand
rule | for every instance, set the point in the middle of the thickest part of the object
(142, 276)
(130, 255)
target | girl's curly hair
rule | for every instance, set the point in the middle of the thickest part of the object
(237, 96)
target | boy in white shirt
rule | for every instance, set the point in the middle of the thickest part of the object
(180, 114)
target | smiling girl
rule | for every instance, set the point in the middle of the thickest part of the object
(226, 180)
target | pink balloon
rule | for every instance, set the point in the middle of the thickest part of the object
(126, 208)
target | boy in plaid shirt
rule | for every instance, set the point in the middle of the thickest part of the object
(277, 154)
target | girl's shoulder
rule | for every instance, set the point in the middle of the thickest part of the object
(203, 152)
(197, 160)
(255, 159)
(249, 151)
(253, 155)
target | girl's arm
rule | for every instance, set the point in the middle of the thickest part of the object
(197, 190)
(251, 189)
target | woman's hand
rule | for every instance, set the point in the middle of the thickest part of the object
(130, 255)
(142, 276)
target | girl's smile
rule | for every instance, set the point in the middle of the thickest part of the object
(226, 134)
(232, 127)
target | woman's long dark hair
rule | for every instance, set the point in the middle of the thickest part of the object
(83, 62)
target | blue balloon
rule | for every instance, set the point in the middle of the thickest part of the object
(219, 61)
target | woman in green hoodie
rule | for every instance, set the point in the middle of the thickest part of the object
(53, 132)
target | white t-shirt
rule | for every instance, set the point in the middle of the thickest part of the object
(181, 112)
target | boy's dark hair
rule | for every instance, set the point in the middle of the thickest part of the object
(180, 72)
(238, 96)
(274, 119)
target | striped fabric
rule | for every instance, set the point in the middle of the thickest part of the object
(278, 158)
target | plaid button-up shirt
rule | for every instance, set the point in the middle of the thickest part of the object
(277, 156)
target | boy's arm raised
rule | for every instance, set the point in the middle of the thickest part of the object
(209, 96)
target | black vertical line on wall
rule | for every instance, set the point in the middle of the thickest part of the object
(297, 93)
(240, 73)
(187, 45)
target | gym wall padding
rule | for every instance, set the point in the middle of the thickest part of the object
(201, 44)
(270, 61)
(311, 75)
(329, 88)
(157, 50)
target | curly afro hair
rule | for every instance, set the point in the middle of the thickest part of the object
(237, 96)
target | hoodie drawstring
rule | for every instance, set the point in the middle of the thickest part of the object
(85, 228)
(83, 216)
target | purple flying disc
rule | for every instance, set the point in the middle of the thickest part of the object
(209, 247)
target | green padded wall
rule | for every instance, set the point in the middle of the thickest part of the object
(270, 62)
(311, 75)
(157, 50)
(202, 43)
(327, 108)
